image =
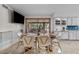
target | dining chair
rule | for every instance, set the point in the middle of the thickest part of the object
(44, 44)
(55, 41)
(28, 42)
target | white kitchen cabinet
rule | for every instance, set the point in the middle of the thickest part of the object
(72, 35)
(77, 23)
(69, 21)
(74, 21)
(77, 33)
(64, 35)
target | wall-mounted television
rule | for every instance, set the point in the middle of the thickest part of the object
(17, 18)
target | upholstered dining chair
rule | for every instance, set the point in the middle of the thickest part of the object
(55, 41)
(44, 44)
(28, 42)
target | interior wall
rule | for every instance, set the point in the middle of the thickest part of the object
(7, 29)
(5, 24)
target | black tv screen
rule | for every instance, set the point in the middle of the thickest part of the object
(18, 18)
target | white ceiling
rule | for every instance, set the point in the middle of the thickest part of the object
(46, 9)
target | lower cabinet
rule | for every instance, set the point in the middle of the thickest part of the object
(72, 35)
(64, 36)
(77, 34)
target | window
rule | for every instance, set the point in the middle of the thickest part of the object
(34, 26)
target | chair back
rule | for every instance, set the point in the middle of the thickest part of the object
(28, 41)
(43, 40)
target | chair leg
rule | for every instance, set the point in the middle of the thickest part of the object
(28, 49)
(49, 49)
(17, 45)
